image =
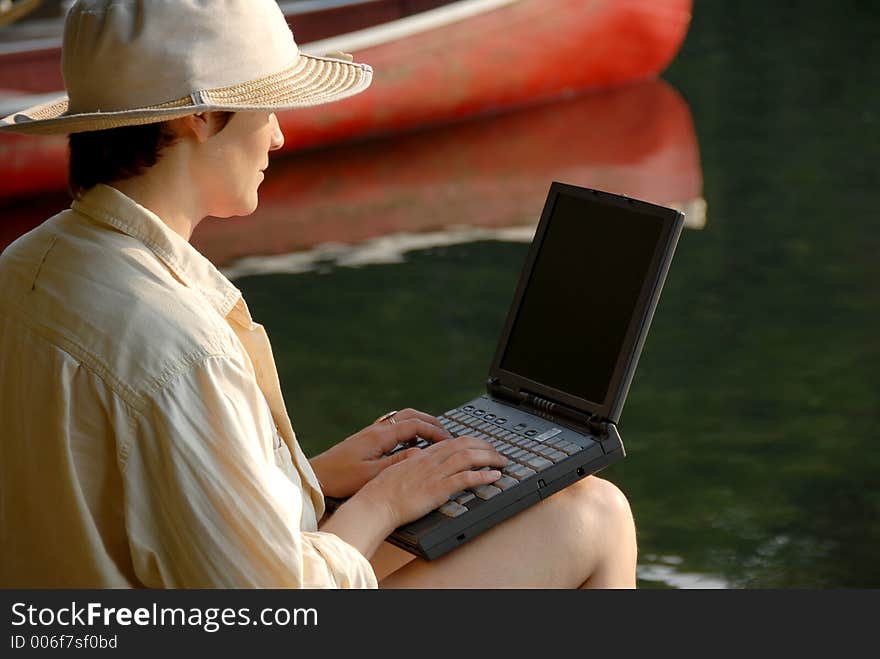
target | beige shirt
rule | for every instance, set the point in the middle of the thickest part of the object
(143, 436)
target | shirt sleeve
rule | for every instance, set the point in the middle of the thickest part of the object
(206, 504)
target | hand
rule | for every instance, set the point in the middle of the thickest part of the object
(425, 478)
(343, 469)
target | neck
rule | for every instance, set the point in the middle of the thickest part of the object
(167, 190)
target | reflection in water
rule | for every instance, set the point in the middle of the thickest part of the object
(751, 425)
(666, 570)
(434, 196)
(493, 172)
(385, 249)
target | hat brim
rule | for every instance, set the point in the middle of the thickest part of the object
(310, 81)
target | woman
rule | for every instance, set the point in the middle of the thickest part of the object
(144, 440)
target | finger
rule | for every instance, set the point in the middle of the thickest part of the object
(400, 456)
(413, 428)
(471, 458)
(447, 448)
(463, 480)
(387, 436)
(410, 413)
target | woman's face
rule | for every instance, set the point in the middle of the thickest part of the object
(233, 160)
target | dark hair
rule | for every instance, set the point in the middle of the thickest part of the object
(115, 154)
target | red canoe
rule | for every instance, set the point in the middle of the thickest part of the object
(30, 50)
(490, 173)
(445, 64)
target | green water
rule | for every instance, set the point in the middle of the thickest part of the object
(751, 425)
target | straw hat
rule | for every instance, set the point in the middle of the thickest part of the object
(128, 62)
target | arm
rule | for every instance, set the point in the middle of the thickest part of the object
(206, 505)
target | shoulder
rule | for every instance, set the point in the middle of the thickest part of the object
(109, 300)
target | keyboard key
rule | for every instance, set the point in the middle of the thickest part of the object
(501, 421)
(452, 509)
(521, 473)
(556, 456)
(505, 483)
(538, 463)
(463, 497)
(531, 433)
(485, 492)
(517, 470)
(547, 434)
(489, 417)
(570, 447)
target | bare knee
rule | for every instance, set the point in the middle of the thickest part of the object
(607, 499)
(608, 520)
(593, 544)
(598, 499)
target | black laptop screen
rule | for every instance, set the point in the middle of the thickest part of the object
(580, 297)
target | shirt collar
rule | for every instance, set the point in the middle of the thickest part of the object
(109, 206)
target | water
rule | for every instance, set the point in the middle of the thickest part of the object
(751, 425)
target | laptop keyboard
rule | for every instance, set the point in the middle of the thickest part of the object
(528, 452)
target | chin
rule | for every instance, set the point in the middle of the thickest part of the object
(252, 206)
(239, 210)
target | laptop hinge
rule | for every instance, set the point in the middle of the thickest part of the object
(498, 390)
(592, 423)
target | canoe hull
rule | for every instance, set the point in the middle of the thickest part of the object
(518, 53)
(443, 66)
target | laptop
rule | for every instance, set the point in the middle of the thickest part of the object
(564, 361)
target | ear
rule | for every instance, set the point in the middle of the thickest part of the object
(194, 125)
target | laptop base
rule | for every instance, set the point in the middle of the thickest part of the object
(436, 534)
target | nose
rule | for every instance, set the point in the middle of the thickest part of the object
(277, 136)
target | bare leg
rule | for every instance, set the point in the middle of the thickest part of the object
(583, 536)
(388, 559)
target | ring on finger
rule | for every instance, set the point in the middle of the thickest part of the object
(388, 416)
